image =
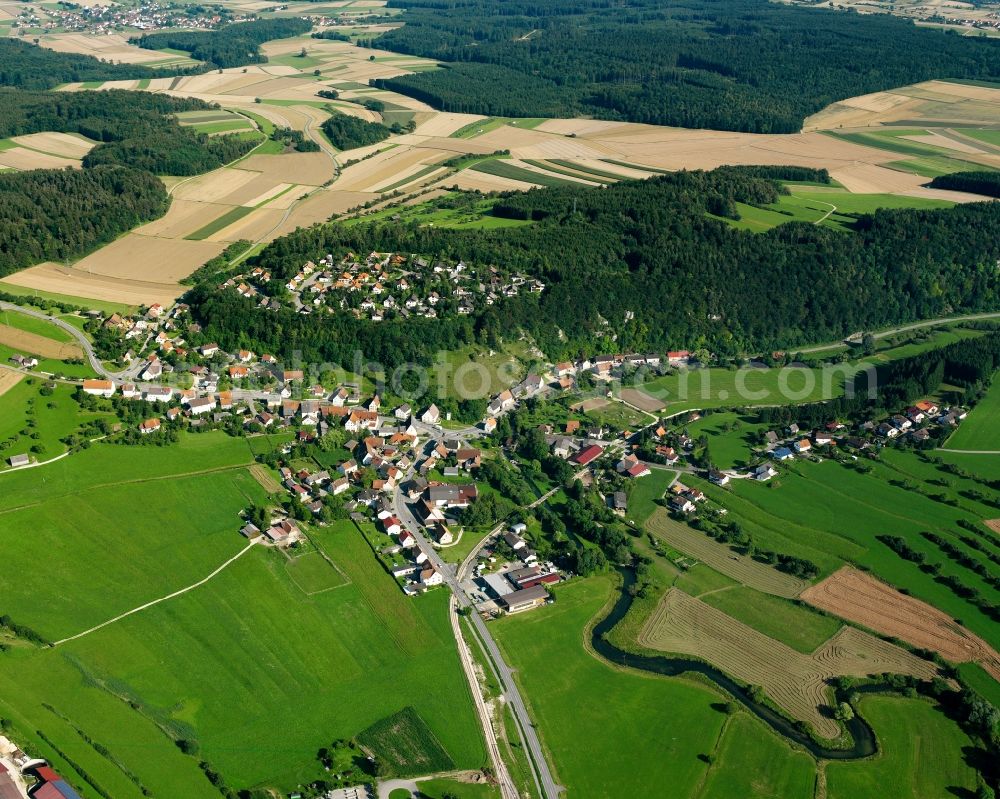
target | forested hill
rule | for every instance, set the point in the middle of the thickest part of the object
(231, 45)
(29, 66)
(55, 214)
(748, 65)
(649, 248)
(135, 129)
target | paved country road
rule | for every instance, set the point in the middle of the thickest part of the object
(549, 788)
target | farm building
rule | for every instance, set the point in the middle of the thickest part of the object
(99, 388)
(525, 599)
(18, 460)
(587, 455)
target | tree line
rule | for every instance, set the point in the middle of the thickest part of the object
(233, 45)
(986, 183)
(642, 266)
(747, 65)
(55, 214)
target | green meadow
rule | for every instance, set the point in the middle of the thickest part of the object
(253, 672)
(921, 755)
(831, 514)
(30, 419)
(648, 730)
(981, 429)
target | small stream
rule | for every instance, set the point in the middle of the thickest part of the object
(862, 735)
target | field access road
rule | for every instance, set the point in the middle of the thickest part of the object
(547, 784)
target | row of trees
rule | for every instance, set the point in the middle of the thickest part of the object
(746, 65)
(233, 45)
(649, 248)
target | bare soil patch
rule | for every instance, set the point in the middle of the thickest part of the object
(265, 479)
(795, 681)
(859, 597)
(993, 524)
(634, 396)
(34, 344)
(721, 558)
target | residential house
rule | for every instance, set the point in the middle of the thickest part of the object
(149, 426)
(99, 388)
(431, 415)
(717, 477)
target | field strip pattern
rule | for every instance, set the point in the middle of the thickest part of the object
(721, 558)
(35, 344)
(854, 595)
(148, 605)
(796, 682)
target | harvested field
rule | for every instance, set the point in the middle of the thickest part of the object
(61, 144)
(183, 217)
(56, 279)
(390, 166)
(321, 206)
(937, 140)
(269, 194)
(255, 225)
(479, 181)
(213, 186)
(149, 258)
(993, 524)
(721, 558)
(23, 158)
(795, 681)
(309, 169)
(34, 344)
(445, 124)
(854, 595)
(640, 400)
(9, 379)
(114, 47)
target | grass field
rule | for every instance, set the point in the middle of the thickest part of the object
(644, 492)
(296, 671)
(981, 429)
(713, 388)
(925, 156)
(785, 516)
(29, 419)
(649, 731)
(730, 437)
(831, 208)
(220, 222)
(405, 745)
(39, 327)
(921, 755)
(752, 762)
(800, 628)
(438, 789)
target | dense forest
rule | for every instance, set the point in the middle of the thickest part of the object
(53, 214)
(985, 183)
(28, 66)
(135, 129)
(346, 132)
(233, 45)
(748, 65)
(642, 266)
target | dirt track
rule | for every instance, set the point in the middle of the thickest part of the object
(795, 681)
(852, 594)
(8, 380)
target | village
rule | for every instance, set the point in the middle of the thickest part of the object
(406, 474)
(101, 20)
(384, 286)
